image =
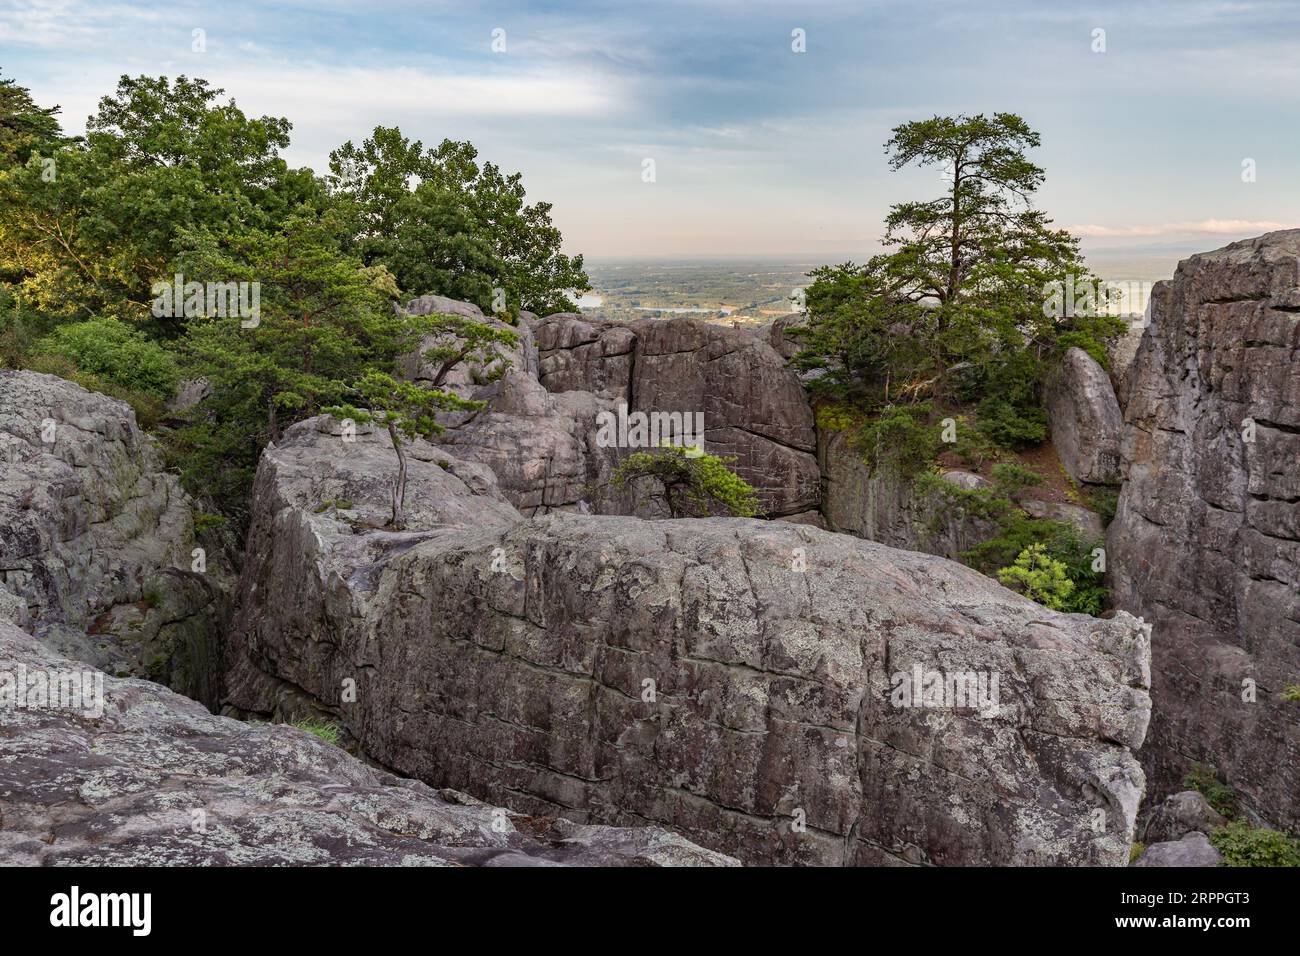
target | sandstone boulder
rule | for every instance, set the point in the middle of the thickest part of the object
(150, 778)
(1085, 418)
(466, 377)
(733, 680)
(1206, 538)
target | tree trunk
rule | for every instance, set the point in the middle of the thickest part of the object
(399, 486)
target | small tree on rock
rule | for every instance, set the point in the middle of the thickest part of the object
(407, 412)
(690, 483)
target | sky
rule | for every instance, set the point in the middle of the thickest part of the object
(758, 150)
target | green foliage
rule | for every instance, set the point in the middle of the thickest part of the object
(115, 352)
(1011, 426)
(1039, 577)
(1135, 851)
(1104, 500)
(1244, 845)
(328, 732)
(690, 483)
(159, 157)
(443, 223)
(1016, 532)
(1219, 795)
(899, 438)
(406, 411)
(26, 129)
(954, 312)
(206, 523)
(1292, 692)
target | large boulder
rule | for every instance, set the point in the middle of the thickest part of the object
(1206, 539)
(1085, 418)
(96, 540)
(136, 775)
(754, 408)
(1178, 815)
(745, 683)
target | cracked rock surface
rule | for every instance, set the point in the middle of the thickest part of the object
(96, 539)
(155, 779)
(1206, 540)
(685, 673)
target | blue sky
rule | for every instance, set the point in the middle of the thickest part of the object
(758, 150)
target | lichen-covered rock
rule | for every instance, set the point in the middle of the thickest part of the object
(1178, 815)
(1085, 418)
(154, 779)
(1194, 849)
(96, 539)
(735, 680)
(1206, 538)
(754, 408)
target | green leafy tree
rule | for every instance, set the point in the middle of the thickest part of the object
(406, 411)
(25, 128)
(159, 158)
(323, 320)
(1039, 577)
(689, 483)
(954, 311)
(443, 223)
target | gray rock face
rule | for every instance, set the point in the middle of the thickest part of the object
(881, 507)
(466, 377)
(1178, 815)
(754, 408)
(1206, 539)
(1086, 521)
(96, 540)
(1194, 849)
(730, 679)
(154, 779)
(1085, 419)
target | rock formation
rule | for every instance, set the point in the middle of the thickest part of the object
(734, 680)
(150, 778)
(96, 540)
(1206, 539)
(880, 506)
(754, 408)
(1085, 419)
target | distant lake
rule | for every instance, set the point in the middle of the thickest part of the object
(589, 300)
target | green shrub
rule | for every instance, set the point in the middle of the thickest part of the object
(1012, 426)
(116, 353)
(149, 409)
(1244, 845)
(1039, 577)
(1104, 500)
(1220, 796)
(690, 482)
(1291, 692)
(900, 438)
